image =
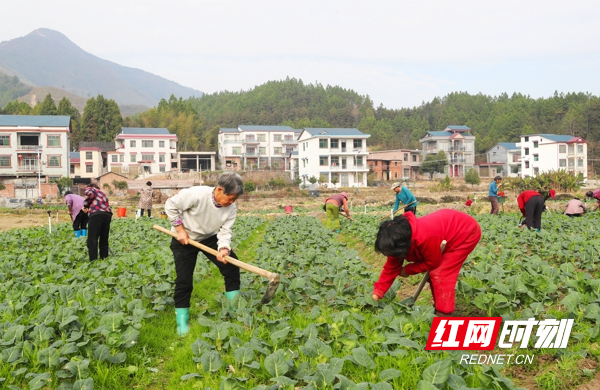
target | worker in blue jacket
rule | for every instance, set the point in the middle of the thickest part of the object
(404, 195)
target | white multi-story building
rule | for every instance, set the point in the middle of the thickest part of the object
(35, 146)
(503, 159)
(257, 147)
(548, 152)
(142, 151)
(329, 153)
(458, 144)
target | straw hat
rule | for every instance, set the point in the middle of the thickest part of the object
(396, 184)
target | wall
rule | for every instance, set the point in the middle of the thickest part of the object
(9, 191)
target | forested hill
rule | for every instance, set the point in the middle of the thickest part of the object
(493, 118)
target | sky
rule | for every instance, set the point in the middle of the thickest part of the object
(400, 53)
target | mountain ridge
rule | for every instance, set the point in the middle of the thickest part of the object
(46, 57)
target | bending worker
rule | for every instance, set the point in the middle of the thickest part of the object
(204, 214)
(404, 195)
(532, 205)
(333, 205)
(418, 240)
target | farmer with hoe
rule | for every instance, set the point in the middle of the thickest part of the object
(78, 216)
(493, 194)
(418, 240)
(532, 205)
(332, 207)
(98, 209)
(407, 198)
(594, 195)
(204, 214)
(146, 195)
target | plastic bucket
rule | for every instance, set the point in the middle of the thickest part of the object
(288, 209)
(121, 212)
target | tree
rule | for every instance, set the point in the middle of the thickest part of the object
(101, 120)
(47, 107)
(472, 177)
(63, 184)
(434, 163)
(334, 180)
(312, 180)
(66, 108)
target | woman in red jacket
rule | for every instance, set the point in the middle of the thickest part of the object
(532, 204)
(417, 240)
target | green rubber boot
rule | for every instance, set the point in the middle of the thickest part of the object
(230, 295)
(182, 315)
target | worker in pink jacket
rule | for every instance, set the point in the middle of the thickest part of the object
(418, 240)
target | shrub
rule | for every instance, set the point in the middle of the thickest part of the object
(249, 186)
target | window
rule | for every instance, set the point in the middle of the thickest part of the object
(147, 143)
(395, 163)
(359, 161)
(335, 143)
(132, 158)
(405, 156)
(88, 155)
(114, 158)
(527, 151)
(335, 161)
(579, 148)
(277, 137)
(535, 144)
(536, 157)
(4, 140)
(526, 139)
(161, 168)
(161, 144)
(148, 157)
(262, 151)
(289, 151)
(161, 158)
(53, 140)
(262, 138)
(414, 158)
(580, 163)
(277, 150)
(526, 164)
(395, 175)
(323, 161)
(357, 143)
(562, 162)
(562, 148)
(236, 150)
(54, 161)
(121, 157)
(89, 168)
(132, 143)
(4, 161)
(323, 143)
(324, 176)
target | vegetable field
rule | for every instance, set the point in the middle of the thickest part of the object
(66, 323)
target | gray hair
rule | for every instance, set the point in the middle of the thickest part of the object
(231, 183)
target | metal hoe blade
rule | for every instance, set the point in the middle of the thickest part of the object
(271, 289)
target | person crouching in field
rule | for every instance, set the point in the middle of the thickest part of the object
(575, 208)
(594, 195)
(204, 214)
(418, 240)
(332, 206)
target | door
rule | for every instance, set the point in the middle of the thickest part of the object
(344, 182)
(343, 146)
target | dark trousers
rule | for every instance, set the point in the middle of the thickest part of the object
(98, 230)
(185, 262)
(149, 213)
(412, 209)
(495, 206)
(533, 212)
(81, 221)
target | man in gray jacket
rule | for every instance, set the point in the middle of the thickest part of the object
(204, 214)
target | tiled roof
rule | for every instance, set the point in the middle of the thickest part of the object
(144, 130)
(335, 132)
(228, 130)
(458, 128)
(264, 128)
(35, 120)
(509, 145)
(103, 146)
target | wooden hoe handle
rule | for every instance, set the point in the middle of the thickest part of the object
(236, 262)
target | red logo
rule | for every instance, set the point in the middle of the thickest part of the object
(463, 333)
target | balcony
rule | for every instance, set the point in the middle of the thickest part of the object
(457, 161)
(251, 140)
(27, 168)
(457, 149)
(289, 141)
(233, 141)
(29, 147)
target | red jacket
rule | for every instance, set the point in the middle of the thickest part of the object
(524, 197)
(424, 253)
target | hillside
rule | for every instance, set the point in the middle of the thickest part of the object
(38, 94)
(48, 58)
